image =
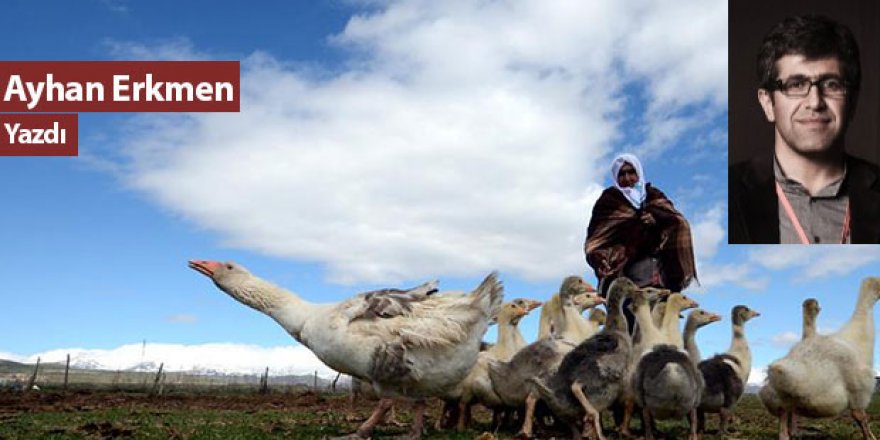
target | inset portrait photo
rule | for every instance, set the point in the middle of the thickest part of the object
(804, 122)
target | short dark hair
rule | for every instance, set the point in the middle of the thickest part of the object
(814, 37)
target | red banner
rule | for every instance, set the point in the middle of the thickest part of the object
(119, 86)
(38, 135)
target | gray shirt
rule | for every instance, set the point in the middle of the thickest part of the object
(822, 215)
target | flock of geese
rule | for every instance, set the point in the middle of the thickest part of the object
(420, 344)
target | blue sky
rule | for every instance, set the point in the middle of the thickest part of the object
(379, 143)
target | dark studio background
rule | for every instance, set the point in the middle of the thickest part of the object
(750, 20)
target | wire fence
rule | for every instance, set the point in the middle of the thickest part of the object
(53, 376)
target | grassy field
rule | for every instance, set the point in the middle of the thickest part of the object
(305, 415)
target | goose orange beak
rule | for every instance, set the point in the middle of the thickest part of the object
(206, 268)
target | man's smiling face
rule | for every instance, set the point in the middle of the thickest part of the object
(811, 124)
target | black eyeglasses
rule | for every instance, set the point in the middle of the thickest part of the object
(799, 86)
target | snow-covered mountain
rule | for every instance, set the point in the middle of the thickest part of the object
(217, 358)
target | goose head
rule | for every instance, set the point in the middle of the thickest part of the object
(639, 298)
(699, 318)
(655, 294)
(681, 302)
(811, 307)
(619, 289)
(514, 310)
(573, 286)
(236, 281)
(226, 275)
(871, 287)
(584, 301)
(741, 314)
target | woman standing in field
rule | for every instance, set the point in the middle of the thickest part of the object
(635, 231)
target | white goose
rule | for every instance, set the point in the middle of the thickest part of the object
(413, 343)
(824, 375)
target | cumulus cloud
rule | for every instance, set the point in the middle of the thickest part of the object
(169, 49)
(218, 357)
(778, 257)
(742, 275)
(842, 261)
(182, 319)
(118, 6)
(708, 233)
(758, 375)
(11, 356)
(461, 136)
(815, 262)
(785, 339)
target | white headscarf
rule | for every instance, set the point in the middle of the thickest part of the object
(636, 195)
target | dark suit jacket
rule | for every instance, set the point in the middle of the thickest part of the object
(753, 209)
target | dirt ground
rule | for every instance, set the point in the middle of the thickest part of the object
(85, 400)
(307, 415)
(115, 414)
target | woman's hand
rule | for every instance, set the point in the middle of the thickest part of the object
(611, 261)
(604, 269)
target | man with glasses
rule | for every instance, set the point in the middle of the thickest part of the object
(809, 190)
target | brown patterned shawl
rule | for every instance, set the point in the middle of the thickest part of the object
(617, 236)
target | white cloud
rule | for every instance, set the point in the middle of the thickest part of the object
(842, 261)
(785, 339)
(11, 356)
(742, 275)
(757, 376)
(708, 233)
(815, 261)
(777, 257)
(182, 319)
(682, 48)
(221, 357)
(119, 6)
(170, 49)
(684, 59)
(464, 137)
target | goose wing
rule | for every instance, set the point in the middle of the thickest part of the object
(388, 303)
(431, 320)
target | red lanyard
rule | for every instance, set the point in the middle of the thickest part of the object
(797, 225)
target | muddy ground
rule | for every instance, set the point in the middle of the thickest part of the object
(306, 415)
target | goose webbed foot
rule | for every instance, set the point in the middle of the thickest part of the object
(861, 418)
(418, 420)
(783, 426)
(366, 429)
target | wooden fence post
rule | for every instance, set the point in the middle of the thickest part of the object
(264, 382)
(162, 385)
(333, 385)
(30, 385)
(66, 372)
(158, 377)
(316, 382)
